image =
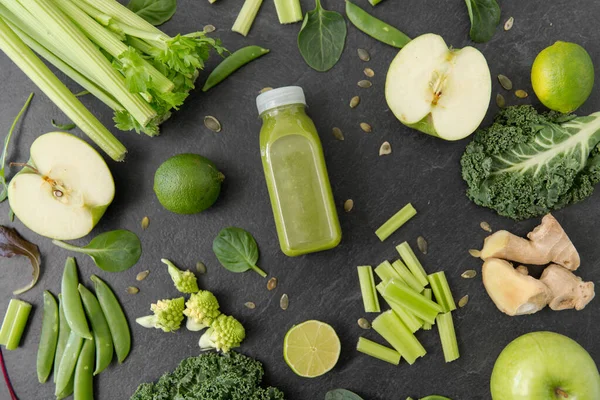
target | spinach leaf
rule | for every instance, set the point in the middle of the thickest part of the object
(62, 127)
(322, 37)
(485, 17)
(342, 394)
(156, 12)
(113, 251)
(237, 250)
(12, 244)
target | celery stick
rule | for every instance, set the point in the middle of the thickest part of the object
(428, 293)
(411, 261)
(246, 17)
(60, 95)
(448, 336)
(393, 330)
(413, 301)
(441, 291)
(14, 322)
(385, 271)
(378, 351)
(394, 223)
(367, 288)
(407, 276)
(288, 11)
(412, 323)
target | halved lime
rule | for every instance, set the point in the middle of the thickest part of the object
(311, 348)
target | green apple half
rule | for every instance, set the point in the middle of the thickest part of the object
(545, 366)
(439, 91)
(64, 189)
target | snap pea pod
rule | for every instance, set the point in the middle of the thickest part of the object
(68, 389)
(72, 306)
(84, 377)
(63, 336)
(374, 27)
(100, 329)
(48, 338)
(68, 362)
(232, 63)
(117, 323)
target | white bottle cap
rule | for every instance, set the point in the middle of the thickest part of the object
(280, 97)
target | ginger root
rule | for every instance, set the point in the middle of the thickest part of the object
(568, 291)
(548, 243)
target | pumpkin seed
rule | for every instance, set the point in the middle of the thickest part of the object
(348, 205)
(363, 55)
(337, 133)
(485, 226)
(250, 305)
(354, 102)
(364, 84)
(509, 24)
(369, 72)
(133, 290)
(272, 283)
(422, 244)
(363, 323)
(505, 82)
(212, 123)
(265, 89)
(385, 149)
(142, 275)
(200, 267)
(366, 127)
(469, 274)
(475, 253)
(145, 222)
(284, 302)
(521, 94)
(522, 270)
(500, 101)
(209, 28)
(463, 301)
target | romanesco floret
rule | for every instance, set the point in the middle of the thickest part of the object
(185, 281)
(168, 315)
(201, 310)
(224, 334)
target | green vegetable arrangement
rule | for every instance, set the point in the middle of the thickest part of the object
(527, 164)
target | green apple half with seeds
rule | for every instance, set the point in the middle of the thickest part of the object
(545, 366)
(439, 91)
(64, 189)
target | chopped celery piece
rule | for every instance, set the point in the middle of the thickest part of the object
(441, 290)
(448, 336)
(412, 323)
(428, 293)
(393, 330)
(288, 11)
(14, 323)
(367, 288)
(411, 261)
(246, 17)
(394, 223)
(407, 276)
(378, 351)
(385, 271)
(413, 301)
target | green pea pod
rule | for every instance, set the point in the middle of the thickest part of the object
(68, 362)
(68, 390)
(374, 27)
(117, 323)
(48, 337)
(72, 302)
(100, 329)
(63, 336)
(232, 63)
(84, 377)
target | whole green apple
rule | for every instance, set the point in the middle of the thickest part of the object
(545, 366)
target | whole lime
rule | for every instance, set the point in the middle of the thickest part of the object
(187, 183)
(562, 76)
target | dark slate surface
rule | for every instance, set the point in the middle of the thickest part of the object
(421, 169)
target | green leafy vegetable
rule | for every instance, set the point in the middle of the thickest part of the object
(63, 127)
(342, 394)
(322, 37)
(156, 12)
(113, 251)
(237, 250)
(527, 164)
(485, 17)
(12, 244)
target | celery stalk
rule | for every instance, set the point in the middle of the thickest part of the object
(412, 323)
(385, 271)
(442, 292)
(411, 261)
(60, 95)
(413, 301)
(378, 351)
(367, 288)
(288, 11)
(447, 336)
(395, 222)
(428, 293)
(15, 319)
(393, 330)
(246, 17)
(407, 276)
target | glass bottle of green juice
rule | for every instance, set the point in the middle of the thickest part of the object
(296, 175)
